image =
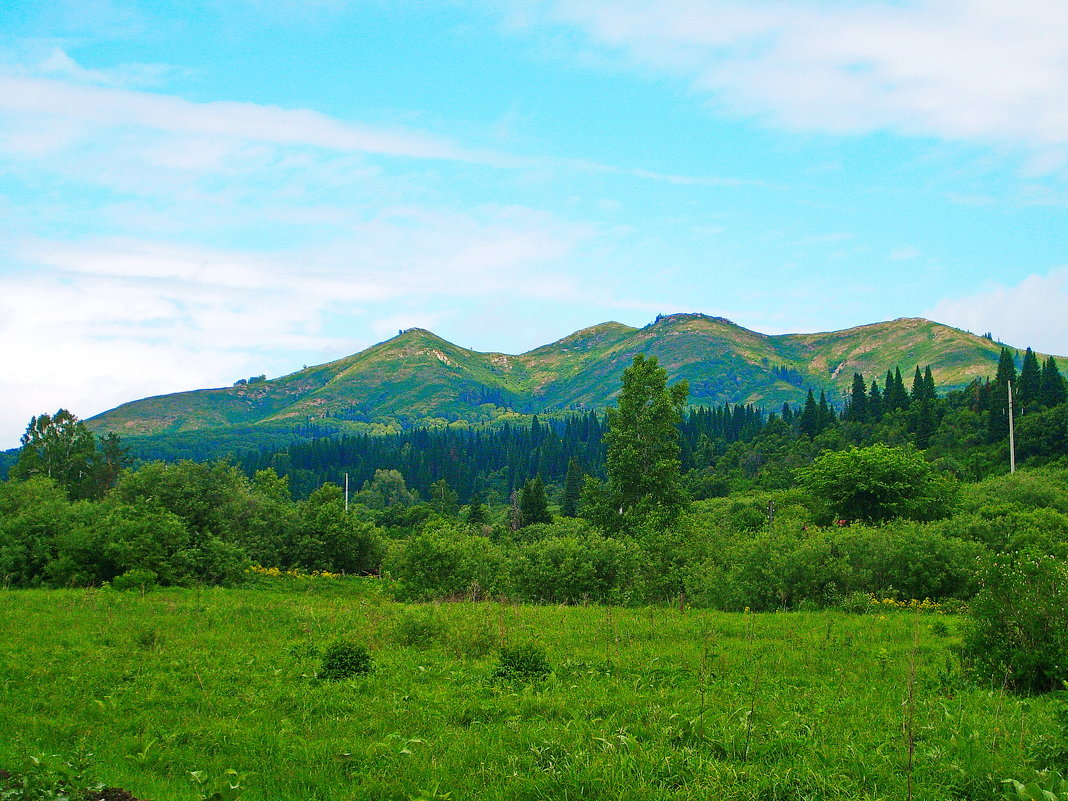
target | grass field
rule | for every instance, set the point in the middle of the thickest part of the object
(642, 703)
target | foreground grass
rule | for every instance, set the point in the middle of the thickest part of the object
(643, 703)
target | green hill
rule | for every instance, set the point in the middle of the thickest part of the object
(418, 378)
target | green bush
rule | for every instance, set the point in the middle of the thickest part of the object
(343, 660)
(571, 569)
(143, 580)
(523, 663)
(1018, 632)
(448, 562)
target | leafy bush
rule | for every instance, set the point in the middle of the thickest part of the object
(1018, 633)
(343, 660)
(143, 580)
(879, 483)
(570, 569)
(446, 561)
(523, 663)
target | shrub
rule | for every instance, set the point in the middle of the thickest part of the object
(143, 580)
(523, 663)
(443, 562)
(879, 483)
(571, 569)
(343, 660)
(1018, 633)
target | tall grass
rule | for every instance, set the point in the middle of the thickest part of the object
(641, 704)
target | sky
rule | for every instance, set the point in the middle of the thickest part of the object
(194, 192)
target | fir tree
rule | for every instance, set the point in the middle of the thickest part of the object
(808, 421)
(533, 505)
(572, 489)
(476, 510)
(1052, 391)
(858, 401)
(999, 399)
(875, 403)
(1029, 386)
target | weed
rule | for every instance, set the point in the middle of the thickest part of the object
(419, 627)
(523, 663)
(49, 777)
(343, 660)
(227, 786)
(1048, 785)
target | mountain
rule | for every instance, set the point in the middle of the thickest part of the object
(418, 378)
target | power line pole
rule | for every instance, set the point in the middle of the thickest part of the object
(1012, 435)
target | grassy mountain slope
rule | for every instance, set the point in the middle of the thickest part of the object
(419, 378)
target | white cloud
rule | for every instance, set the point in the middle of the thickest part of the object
(91, 323)
(1027, 314)
(989, 70)
(117, 108)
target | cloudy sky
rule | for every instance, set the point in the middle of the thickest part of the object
(196, 191)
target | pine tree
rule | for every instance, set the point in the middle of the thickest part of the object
(808, 421)
(1052, 391)
(533, 505)
(572, 489)
(858, 401)
(1029, 386)
(826, 413)
(476, 510)
(999, 399)
(875, 403)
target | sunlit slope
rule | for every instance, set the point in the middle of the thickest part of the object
(418, 378)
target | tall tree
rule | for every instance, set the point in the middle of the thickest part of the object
(999, 399)
(1053, 391)
(643, 454)
(572, 489)
(60, 447)
(808, 421)
(875, 403)
(476, 510)
(858, 401)
(533, 505)
(1029, 385)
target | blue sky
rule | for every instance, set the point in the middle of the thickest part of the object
(198, 191)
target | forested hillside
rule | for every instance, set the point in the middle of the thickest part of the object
(417, 379)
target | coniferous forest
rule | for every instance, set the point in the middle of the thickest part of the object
(890, 529)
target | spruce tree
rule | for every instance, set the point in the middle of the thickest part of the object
(875, 403)
(533, 505)
(999, 400)
(858, 401)
(895, 396)
(572, 489)
(918, 386)
(476, 510)
(1052, 391)
(808, 421)
(1029, 386)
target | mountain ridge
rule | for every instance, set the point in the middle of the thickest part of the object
(419, 378)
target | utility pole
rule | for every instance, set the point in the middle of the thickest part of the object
(346, 493)
(1012, 435)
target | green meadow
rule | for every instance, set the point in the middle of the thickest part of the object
(164, 693)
